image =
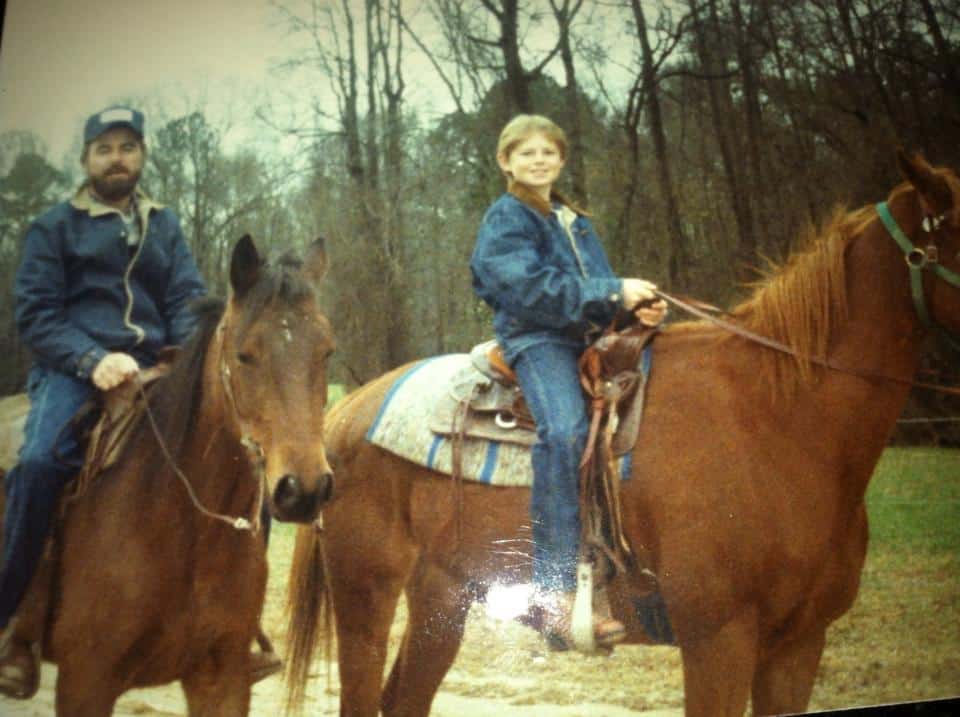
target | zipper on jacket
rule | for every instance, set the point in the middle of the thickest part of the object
(128, 313)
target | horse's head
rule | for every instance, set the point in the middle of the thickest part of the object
(931, 242)
(274, 344)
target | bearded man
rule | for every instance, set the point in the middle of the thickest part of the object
(105, 282)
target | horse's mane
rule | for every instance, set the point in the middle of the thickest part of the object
(174, 399)
(800, 302)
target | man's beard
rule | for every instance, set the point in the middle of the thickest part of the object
(112, 187)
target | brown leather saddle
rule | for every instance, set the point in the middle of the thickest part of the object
(113, 415)
(486, 402)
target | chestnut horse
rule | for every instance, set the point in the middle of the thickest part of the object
(153, 581)
(747, 486)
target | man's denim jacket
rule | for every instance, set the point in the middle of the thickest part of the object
(82, 292)
(545, 281)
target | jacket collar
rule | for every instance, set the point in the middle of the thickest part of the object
(86, 202)
(537, 203)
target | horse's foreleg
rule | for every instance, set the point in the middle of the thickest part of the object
(84, 692)
(718, 669)
(438, 611)
(785, 675)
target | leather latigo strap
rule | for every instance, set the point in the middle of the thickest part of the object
(610, 375)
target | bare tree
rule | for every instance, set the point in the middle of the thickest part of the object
(647, 86)
(496, 44)
(358, 52)
(565, 12)
(709, 40)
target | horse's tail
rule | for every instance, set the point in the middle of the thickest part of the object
(309, 614)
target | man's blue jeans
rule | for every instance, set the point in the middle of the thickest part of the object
(550, 382)
(49, 456)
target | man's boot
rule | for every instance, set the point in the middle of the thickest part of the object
(21, 642)
(19, 664)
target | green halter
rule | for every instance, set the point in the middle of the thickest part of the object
(918, 260)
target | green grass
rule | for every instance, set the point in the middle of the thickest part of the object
(900, 640)
(914, 501)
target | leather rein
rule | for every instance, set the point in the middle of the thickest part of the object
(255, 452)
(917, 260)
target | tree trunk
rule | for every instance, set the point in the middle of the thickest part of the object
(707, 38)
(518, 83)
(755, 185)
(678, 256)
(571, 91)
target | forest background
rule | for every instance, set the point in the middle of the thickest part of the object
(704, 136)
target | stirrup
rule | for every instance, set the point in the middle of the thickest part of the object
(556, 625)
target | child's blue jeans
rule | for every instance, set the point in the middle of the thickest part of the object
(550, 382)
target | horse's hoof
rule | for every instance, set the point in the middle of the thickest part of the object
(20, 670)
(264, 664)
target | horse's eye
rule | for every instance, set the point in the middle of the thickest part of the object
(245, 358)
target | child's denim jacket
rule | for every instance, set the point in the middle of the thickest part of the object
(544, 273)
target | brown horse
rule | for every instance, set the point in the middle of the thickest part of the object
(747, 487)
(154, 583)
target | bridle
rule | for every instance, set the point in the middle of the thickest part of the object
(253, 448)
(920, 260)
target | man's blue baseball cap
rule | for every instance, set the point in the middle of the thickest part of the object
(110, 118)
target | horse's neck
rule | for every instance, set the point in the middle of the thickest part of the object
(880, 337)
(882, 334)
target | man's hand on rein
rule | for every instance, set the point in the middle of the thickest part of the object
(113, 370)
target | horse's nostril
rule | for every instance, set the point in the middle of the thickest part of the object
(287, 492)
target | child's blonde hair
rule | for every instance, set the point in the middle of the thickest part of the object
(522, 126)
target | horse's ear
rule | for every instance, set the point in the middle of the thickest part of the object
(315, 263)
(244, 266)
(935, 195)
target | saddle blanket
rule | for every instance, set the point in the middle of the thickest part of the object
(402, 428)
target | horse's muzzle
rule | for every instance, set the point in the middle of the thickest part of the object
(295, 502)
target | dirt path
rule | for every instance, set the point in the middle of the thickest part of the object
(465, 700)
(503, 669)
(898, 643)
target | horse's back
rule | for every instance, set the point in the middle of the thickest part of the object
(348, 421)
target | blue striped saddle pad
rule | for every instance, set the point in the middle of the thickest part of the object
(406, 426)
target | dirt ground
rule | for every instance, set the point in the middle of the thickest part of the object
(898, 643)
